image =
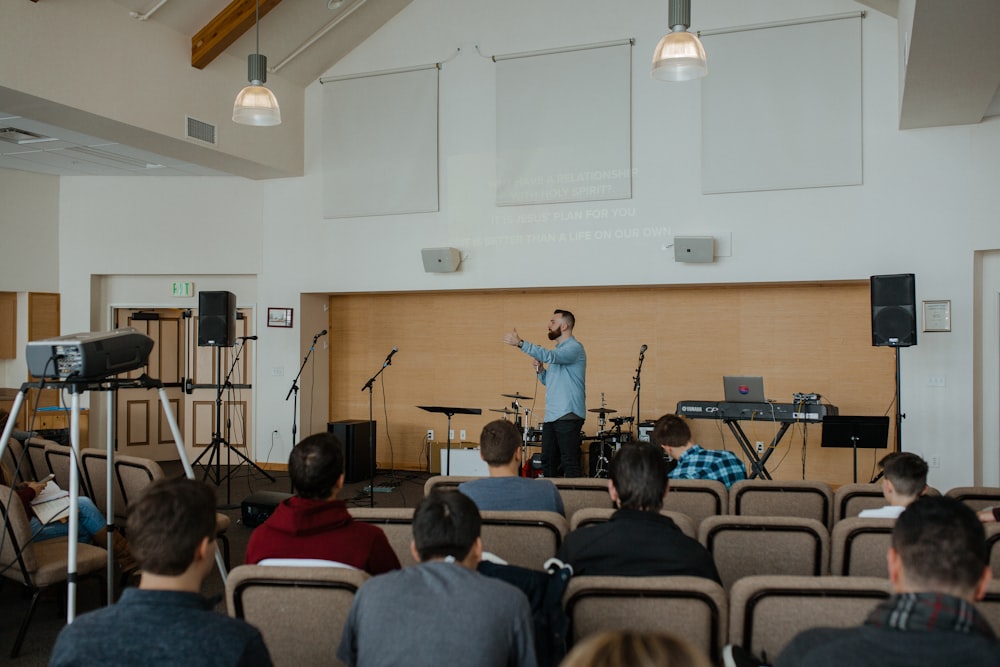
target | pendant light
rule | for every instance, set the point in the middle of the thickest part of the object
(679, 56)
(256, 104)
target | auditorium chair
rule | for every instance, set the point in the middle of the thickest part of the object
(396, 523)
(858, 547)
(993, 548)
(698, 498)
(989, 606)
(444, 483)
(850, 499)
(95, 471)
(769, 497)
(580, 492)
(591, 515)
(13, 454)
(692, 607)
(976, 497)
(58, 458)
(742, 546)
(36, 457)
(523, 538)
(766, 612)
(300, 611)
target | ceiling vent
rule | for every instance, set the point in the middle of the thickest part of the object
(13, 135)
(202, 131)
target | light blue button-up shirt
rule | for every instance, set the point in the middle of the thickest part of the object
(565, 378)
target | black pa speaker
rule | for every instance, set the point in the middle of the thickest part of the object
(894, 310)
(354, 433)
(216, 319)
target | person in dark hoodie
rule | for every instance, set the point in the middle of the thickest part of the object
(313, 523)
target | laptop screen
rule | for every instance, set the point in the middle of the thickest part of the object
(744, 388)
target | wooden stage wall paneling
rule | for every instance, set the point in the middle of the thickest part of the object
(802, 337)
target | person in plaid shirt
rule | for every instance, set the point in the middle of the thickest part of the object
(672, 433)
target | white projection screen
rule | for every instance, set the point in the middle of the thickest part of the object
(564, 125)
(380, 143)
(790, 115)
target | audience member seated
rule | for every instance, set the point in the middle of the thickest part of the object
(165, 621)
(313, 523)
(633, 649)
(500, 446)
(904, 479)
(441, 611)
(672, 433)
(637, 540)
(938, 566)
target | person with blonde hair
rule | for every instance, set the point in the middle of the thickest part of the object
(635, 649)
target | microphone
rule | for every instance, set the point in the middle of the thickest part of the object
(246, 338)
(642, 349)
(394, 351)
(321, 333)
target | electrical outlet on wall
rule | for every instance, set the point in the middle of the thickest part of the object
(430, 435)
(451, 434)
(461, 435)
(760, 447)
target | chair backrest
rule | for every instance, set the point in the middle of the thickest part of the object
(858, 547)
(698, 498)
(59, 459)
(17, 558)
(580, 492)
(993, 549)
(36, 453)
(850, 499)
(766, 612)
(95, 471)
(589, 515)
(976, 497)
(989, 606)
(692, 607)
(527, 539)
(747, 545)
(444, 482)
(134, 474)
(12, 454)
(314, 603)
(396, 523)
(771, 497)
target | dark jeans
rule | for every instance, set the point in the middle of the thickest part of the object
(561, 448)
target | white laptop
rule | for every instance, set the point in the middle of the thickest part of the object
(744, 388)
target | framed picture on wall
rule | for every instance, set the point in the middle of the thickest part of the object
(937, 315)
(279, 317)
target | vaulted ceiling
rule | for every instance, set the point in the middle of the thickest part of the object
(949, 74)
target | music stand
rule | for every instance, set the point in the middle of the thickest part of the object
(449, 412)
(854, 432)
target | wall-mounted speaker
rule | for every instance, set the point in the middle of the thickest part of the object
(441, 260)
(894, 310)
(216, 319)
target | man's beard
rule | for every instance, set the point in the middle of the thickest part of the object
(554, 335)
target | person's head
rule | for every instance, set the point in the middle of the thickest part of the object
(169, 523)
(672, 433)
(447, 523)
(905, 477)
(499, 442)
(638, 477)
(939, 545)
(562, 322)
(635, 649)
(316, 466)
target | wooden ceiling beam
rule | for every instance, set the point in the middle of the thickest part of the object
(228, 26)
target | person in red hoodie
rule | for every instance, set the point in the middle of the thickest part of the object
(313, 523)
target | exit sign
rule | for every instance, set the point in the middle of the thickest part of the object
(182, 289)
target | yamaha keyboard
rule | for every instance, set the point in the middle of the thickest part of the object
(732, 414)
(771, 412)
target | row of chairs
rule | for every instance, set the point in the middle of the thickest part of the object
(702, 498)
(740, 545)
(760, 613)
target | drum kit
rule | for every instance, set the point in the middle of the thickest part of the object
(603, 446)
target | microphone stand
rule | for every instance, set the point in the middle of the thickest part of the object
(371, 432)
(637, 388)
(294, 389)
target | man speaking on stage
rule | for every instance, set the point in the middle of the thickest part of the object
(565, 393)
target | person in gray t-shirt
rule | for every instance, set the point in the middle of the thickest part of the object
(500, 447)
(441, 611)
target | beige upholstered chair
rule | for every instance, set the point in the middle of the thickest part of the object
(38, 565)
(698, 498)
(527, 539)
(748, 545)
(976, 497)
(993, 548)
(858, 547)
(300, 611)
(444, 482)
(396, 523)
(580, 492)
(692, 607)
(850, 499)
(989, 606)
(12, 456)
(58, 458)
(36, 456)
(768, 497)
(591, 515)
(95, 471)
(766, 612)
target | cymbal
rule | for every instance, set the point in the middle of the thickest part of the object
(603, 411)
(503, 410)
(518, 397)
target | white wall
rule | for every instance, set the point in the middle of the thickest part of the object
(928, 202)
